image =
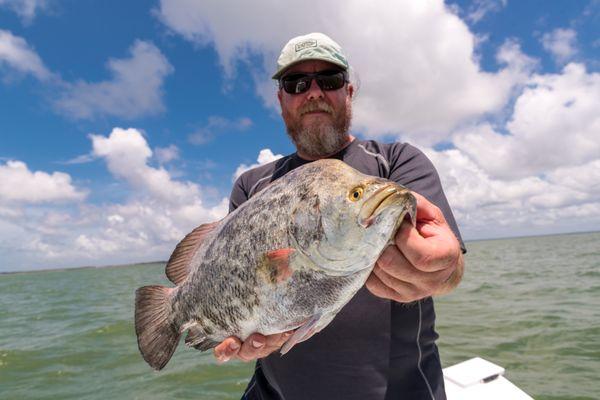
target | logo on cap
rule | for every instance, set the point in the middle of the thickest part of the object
(306, 44)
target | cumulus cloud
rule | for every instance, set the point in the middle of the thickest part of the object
(126, 153)
(19, 56)
(134, 90)
(488, 206)
(537, 173)
(21, 186)
(265, 156)
(555, 123)
(416, 60)
(561, 43)
(156, 213)
(26, 9)
(218, 125)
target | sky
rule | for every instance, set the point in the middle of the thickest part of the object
(123, 125)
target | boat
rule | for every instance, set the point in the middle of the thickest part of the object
(479, 379)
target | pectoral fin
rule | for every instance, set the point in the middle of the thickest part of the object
(276, 265)
(313, 325)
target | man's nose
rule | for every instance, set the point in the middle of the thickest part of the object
(315, 91)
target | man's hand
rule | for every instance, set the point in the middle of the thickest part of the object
(255, 346)
(426, 260)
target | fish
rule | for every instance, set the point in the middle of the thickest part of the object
(287, 259)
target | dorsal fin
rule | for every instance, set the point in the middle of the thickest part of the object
(178, 266)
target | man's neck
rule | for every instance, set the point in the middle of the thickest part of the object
(312, 158)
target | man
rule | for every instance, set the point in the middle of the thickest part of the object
(382, 344)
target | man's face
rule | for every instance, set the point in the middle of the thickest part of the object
(317, 120)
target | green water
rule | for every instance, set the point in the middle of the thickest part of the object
(531, 305)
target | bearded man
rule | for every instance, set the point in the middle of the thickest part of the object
(382, 343)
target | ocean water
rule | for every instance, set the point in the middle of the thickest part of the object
(531, 305)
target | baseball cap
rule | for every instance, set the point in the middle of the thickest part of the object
(314, 46)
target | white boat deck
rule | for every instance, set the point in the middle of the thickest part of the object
(479, 379)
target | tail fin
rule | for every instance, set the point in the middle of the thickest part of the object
(156, 335)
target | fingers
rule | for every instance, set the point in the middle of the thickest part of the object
(227, 349)
(430, 247)
(398, 280)
(393, 267)
(376, 286)
(255, 346)
(426, 210)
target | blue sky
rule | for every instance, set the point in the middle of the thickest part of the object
(123, 124)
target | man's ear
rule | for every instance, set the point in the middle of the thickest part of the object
(350, 90)
(279, 96)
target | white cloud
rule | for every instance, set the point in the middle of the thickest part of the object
(19, 56)
(134, 90)
(26, 9)
(217, 125)
(542, 173)
(80, 159)
(561, 43)
(583, 178)
(20, 185)
(487, 206)
(478, 9)
(166, 154)
(555, 123)
(156, 213)
(126, 153)
(416, 59)
(265, 156)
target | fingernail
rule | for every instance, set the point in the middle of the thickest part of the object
(256, 344)
(287, 334)
(234, 346)
(222, 358)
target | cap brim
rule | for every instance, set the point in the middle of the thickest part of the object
(278, 74)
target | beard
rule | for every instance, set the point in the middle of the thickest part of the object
(320, 138)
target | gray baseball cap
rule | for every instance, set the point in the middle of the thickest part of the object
(314, 46)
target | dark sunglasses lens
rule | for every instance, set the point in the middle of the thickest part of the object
(331, 81)
(327, 80)
(296, 84)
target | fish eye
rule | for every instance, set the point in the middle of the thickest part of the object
(356, 193)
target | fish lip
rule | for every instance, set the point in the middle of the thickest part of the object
(381, 199)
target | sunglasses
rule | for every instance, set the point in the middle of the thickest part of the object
(300, 83)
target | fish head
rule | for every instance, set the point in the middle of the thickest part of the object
(350, 219)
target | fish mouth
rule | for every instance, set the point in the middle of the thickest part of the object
(389, 195)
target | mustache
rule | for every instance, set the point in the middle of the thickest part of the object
(316, 106)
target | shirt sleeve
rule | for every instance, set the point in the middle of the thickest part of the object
(238, 194)
(411, 168)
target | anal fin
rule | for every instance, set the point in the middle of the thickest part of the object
(198, 340)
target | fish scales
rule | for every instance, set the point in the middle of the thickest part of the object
(289, 258)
